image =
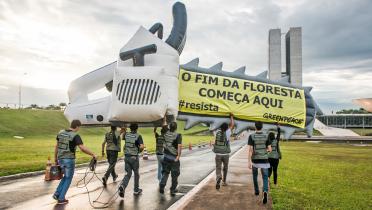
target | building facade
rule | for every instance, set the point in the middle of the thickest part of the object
(293, 55)
(347, 120)
(275, 54)
(293, 43)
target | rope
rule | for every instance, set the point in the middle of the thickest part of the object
(91, 169)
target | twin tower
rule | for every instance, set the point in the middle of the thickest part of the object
(293, 56)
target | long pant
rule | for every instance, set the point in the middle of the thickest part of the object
(68, 169)
(131, 164)
(274, 167)
(112, 158)
(172, 167)
(219, 160)
(264, 173)
(160, 165)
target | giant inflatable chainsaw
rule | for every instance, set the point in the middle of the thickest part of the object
(147, 83)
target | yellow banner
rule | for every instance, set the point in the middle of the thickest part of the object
(213, 95)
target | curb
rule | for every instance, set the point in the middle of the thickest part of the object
(182, 202)
(37, 173)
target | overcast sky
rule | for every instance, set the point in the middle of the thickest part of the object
(57, 41)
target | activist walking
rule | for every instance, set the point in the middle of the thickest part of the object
(64, 155)
(222, 150)
(133, 146)
(112, 142)
(259, 147)
(160, 140)
(275, 155)
(171, 161)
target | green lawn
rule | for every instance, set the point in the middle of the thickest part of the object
(323, 176)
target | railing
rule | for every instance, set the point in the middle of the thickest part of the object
(347, 120)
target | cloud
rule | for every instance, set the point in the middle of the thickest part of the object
(334, 30)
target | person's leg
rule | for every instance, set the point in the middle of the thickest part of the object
(136, 173)
(61, 183)
(128, 170)
(114, 160)
(160, 160)
(218, 161)
(165, 174)
(255, 183)
(175, 171)
(110, 161)
(275, 168)
(264, 173)
(225, 161)
(271, 167)
(69, 169)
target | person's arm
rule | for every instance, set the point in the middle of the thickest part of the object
(164, 120)
(103, 145)
(232, 124)
(123, 130)
(103, 148)
(55, 154)
(179, 147)
(87, 151)
(269, 149)
(155, 134)
(250, 152)
(141, 146)
(268, 146)
(278, 134)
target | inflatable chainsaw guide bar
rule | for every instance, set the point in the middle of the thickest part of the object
(144, 85)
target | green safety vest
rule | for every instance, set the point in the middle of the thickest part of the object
(170, 145)
(130, 147)
(109, 139)
(160, 144)
(259, 147)
(275, 152)
(64, 140)
(221, 145)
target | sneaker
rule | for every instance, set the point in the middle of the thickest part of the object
(173, 192)
(55, 197)
(61, 202)
(139, 191)
(264, 200)
(104, 181)
(161, 190)
(115, 177)
(224, 184)
(121, 191)
(218, 184)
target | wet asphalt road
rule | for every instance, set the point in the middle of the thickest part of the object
(35, 193)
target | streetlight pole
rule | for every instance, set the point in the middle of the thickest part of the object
(20, 92)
